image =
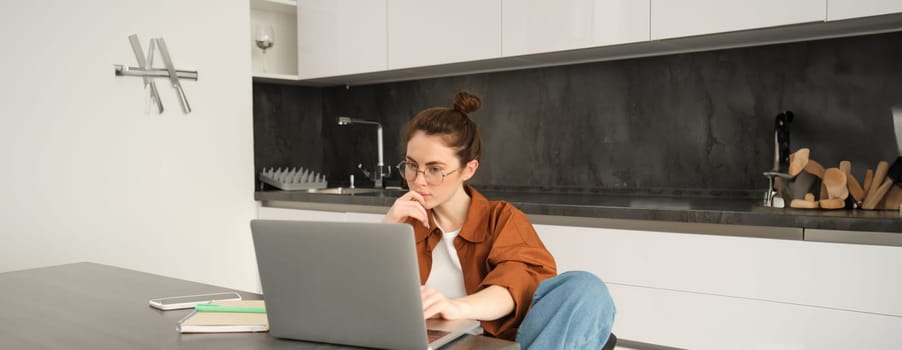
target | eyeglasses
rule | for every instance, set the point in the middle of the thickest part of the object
(432, 174)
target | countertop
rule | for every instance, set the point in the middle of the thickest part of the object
(681, 206)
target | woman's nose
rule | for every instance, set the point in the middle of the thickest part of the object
(420, 178)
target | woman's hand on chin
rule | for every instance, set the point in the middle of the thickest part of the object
(412, 205)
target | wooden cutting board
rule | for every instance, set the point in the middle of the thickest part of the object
(833, 203)
(836, 183)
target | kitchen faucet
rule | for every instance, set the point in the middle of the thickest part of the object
(781, 155)
(381, 170)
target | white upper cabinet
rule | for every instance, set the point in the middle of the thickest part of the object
(340, 37)
(845, 9)
(424, 33)
(673, 19)
(339, 41)
(536, 26)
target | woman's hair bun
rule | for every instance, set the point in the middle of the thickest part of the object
(466, 102)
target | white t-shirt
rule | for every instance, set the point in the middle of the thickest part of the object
(446, 276)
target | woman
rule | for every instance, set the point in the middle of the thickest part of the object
(481, 259)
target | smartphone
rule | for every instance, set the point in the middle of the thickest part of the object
(188, 301)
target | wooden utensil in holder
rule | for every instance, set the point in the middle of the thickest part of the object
(893, 198)
(798, 160)
(855, 189)
(815, 168)
(868, 178)
(878, 188)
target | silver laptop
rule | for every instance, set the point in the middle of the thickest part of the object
(346, 283)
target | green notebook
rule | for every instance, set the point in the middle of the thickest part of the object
(226, 322)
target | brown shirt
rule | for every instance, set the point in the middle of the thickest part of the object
(497, 245)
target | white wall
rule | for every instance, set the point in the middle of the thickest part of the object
(88, 175)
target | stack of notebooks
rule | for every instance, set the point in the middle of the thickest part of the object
(226, 317)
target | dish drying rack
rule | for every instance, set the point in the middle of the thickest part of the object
(290, 179)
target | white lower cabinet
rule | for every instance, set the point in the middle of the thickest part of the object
(724, 292)
(363, 217)
(715, 292)
(270, 213)
(703, 321)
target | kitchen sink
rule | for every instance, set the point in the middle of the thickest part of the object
(345, 190)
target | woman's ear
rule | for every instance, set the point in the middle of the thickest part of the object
(470, 169)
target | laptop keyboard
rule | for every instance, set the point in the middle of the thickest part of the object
(433, 335)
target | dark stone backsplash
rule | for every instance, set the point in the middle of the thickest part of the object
(688, 121)
(287, 127)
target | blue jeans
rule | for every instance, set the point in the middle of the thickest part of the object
(571, 311)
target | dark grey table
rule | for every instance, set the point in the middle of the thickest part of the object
(93, 306)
